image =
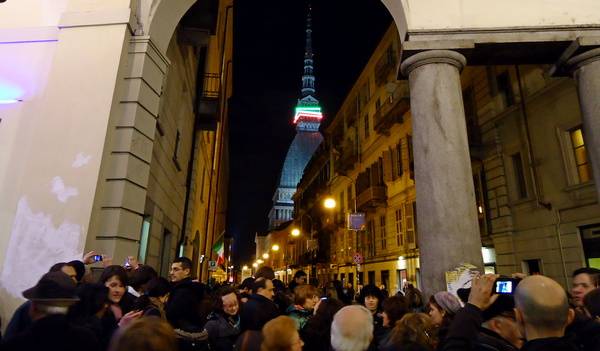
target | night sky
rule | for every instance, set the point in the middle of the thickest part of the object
(268, 61)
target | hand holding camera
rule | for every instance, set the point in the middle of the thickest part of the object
(482, 288)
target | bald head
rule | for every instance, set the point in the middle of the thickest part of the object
(352, 329)
(542, 304)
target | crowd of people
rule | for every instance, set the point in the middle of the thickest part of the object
(132, 308)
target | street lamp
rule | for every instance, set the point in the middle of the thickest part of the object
(255, 265)
(265, 255)
(245, 268)
(274, 248)
(259, 261)
(296, 232)
(329, 203)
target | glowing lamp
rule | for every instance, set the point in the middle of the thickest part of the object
(329, 203)
(265, 255)
(275, 247)
(295, 232)
(244, 268)
(255, 265)
(260, 261)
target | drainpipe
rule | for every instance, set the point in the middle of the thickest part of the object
(537, 189)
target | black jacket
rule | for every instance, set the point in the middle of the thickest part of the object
(257, 312)
(184, 307)
(222, 331)
(466, 334)
(585, 333)
(549, 344)
(488, 340)
(53, 333)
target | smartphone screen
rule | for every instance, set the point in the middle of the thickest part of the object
(504, 287)
(97, 258)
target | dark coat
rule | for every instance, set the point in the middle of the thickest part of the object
(183, 308)
(222, 331)
(19, 322)
(257, 312)
(549, 344)
(585, 333)
(379, 332)
(53, 333)
(488, 340)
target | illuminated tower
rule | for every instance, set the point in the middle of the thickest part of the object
(307, 119)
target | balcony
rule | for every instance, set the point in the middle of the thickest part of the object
(393, 110)
(372, 197)
(207, 109)
(347, 159)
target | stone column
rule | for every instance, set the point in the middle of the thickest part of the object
(448, 230)
(586, 71)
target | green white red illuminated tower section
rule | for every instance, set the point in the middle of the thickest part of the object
(307, 119)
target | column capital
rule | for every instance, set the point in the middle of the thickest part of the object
(576, 62)
(433, 56)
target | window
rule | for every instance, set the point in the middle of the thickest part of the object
(519, 176)
(371, 276)
(532, 267)
(165, 256)
(505, 89)
(367, 130)
(410, 224)
(584, 171)
(371, 238)
(385, 279)
(382, 232)
(399, 236)
(144, 236)
(399, 167)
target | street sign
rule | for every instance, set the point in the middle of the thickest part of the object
(212, 265)
(356, 221)
(357, 258)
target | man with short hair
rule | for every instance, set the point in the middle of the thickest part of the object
(299, 279)
(542, 310)
(260, 307)
(50, 300)
(352, 329)
(584, 280)
(184, 305)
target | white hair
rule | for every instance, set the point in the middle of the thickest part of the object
(352, 329)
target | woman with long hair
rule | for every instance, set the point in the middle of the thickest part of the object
(317, 331)
(442, 309)
(414, 332)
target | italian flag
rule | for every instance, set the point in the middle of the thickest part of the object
(219, 248)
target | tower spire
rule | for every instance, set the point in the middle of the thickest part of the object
(308, 79)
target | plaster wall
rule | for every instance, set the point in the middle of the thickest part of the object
(441, 15)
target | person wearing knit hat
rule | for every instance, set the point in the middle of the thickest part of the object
(442, 309)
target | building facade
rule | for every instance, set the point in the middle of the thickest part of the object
(533, 190)
(117, 143)
(307, 119)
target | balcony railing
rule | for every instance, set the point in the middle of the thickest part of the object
(207, 110)
(348, 157)
(373, 196)
(393, 110)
